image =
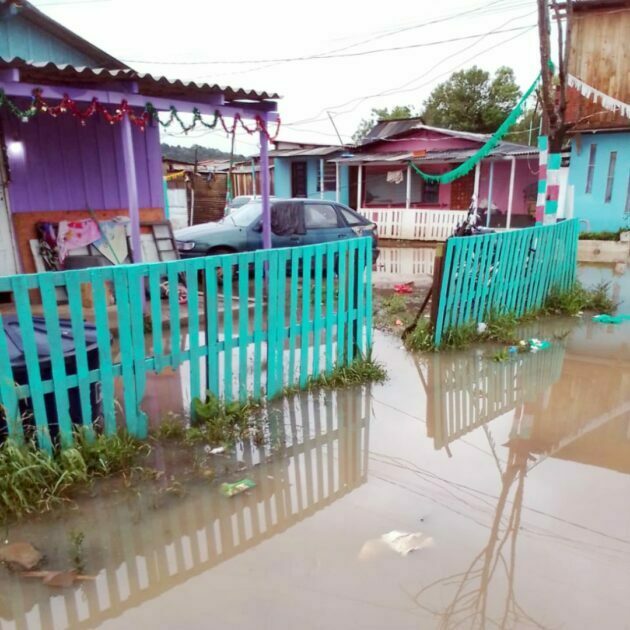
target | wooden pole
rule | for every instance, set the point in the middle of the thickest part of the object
(359, 187)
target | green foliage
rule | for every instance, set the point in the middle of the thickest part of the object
(503, 327)
(500, 356)
(32, 481)
(359, 372)
(600, 236)
(578, 299)
(216, 422)
(77, 557)
(394, 304)
(171, 428)
(471, 101)
(525, 130)
(383, 113)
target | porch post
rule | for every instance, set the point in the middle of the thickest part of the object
(254, 178)
(264, 189)
(337, 183)
(408, 193)
(321, 179)
(129, 164)
(508, 222)
(490, 185)
(359, 186)
(476, 188)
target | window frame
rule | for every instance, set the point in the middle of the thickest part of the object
(307, 227)
(330, 179)
(590, 170)
(610, 178)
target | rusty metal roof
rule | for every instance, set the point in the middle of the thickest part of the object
(148, 84)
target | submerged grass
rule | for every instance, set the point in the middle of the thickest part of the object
(503, 327)
(32, 481)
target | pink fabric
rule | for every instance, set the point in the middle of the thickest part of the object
(75, 234)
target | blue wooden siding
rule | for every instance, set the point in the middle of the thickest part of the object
(21, 38)
(282, 179)
(591, 206)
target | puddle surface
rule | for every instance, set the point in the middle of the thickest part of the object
(511, 478)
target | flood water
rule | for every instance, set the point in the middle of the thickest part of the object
(461, 493)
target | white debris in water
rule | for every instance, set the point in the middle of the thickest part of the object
(402, 543)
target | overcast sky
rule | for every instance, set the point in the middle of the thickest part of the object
(180, 39)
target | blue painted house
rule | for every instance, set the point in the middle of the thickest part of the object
(599, 111)
(305, 170)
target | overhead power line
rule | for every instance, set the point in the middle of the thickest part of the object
(331, 56)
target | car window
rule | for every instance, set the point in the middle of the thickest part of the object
(352, 218)
(246, 215)
(319, 215)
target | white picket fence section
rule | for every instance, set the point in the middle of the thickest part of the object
(414, 224)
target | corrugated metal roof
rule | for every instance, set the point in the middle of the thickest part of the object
(504, 149)
(389, 128)
(308, 152)
(32, 15)
(149, 85)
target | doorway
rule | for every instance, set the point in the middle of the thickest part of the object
(298, 179)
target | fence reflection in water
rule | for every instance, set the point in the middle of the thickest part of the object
(319, 453)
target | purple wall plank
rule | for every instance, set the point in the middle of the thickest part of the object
(67, 166)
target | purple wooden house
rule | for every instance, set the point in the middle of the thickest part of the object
(80, 131)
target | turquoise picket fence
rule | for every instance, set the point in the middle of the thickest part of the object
(251, 325)
(504, 272)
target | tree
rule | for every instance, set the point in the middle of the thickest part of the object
(525, 131)
(187, 154)
(383, 113)
(470, 101)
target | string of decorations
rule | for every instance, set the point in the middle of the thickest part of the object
(465, 167)
(140, 119)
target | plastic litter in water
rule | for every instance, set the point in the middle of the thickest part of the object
(403, 543)
(611, 319)
(232, 489)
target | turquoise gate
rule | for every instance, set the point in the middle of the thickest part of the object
(252, 324)
(504, 272)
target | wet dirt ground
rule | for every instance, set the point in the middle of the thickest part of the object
(461, 493)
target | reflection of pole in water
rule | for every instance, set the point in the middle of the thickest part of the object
(469, 604)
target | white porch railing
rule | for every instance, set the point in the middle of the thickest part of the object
(414, 224)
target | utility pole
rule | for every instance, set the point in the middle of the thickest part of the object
(553, 101)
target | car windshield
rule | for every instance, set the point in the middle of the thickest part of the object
(239, 202)
(246, 215)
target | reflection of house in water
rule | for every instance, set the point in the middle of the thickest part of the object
(317, 456)
(571, 404)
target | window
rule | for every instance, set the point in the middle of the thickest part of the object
(387, 186)
(591, 168)
(330, 176)
(319, 215)
(352, 218)
(610, 180)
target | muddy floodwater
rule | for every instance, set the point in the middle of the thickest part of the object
(462, 493)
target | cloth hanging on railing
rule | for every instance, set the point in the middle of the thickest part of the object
(484, 151)
(606, 101)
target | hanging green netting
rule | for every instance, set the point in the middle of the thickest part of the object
(484, 151)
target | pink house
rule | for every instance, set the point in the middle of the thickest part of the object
(383, 185)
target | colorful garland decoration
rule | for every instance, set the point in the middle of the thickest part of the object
(140, 120)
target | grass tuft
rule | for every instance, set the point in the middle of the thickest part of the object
(503, 327)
